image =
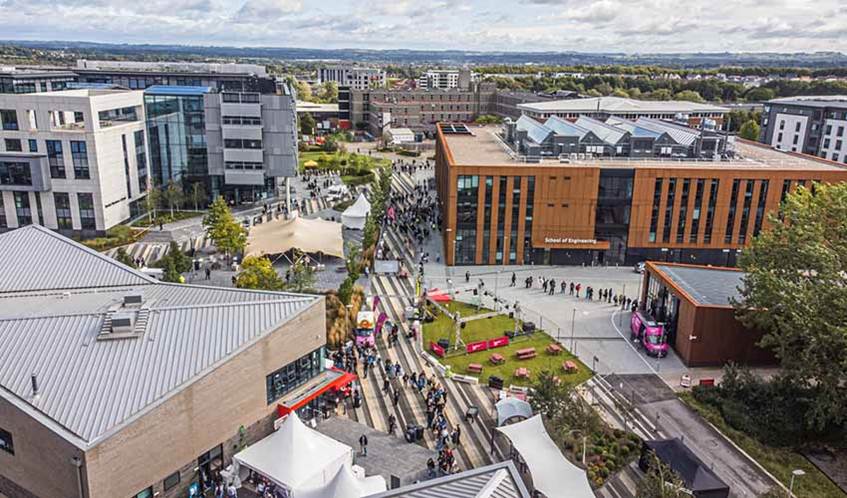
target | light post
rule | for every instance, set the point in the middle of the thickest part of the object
(794, 473)
(496, 289)
(573, 328)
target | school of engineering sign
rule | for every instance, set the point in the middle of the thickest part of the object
(569, 241)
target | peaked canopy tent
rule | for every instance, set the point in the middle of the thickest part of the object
(307, 235)
(346, 484)
(296, 456)
(552, 473)
(509, 408)
(355, 216)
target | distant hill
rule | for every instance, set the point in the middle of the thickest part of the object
(686, 60)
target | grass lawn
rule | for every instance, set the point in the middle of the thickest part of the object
(489, 328)
(778, 461)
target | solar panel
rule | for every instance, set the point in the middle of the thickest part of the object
(454, 129)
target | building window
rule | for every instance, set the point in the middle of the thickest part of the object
(486, 221)
(294, 374)
(6, 442)
(79, 155)
(797, 127)
(171, 481)
(22, 208)
(501, 219)
(33, 145)
(826, 143)
(710, 211)
(745, 212)
(13, 145)
(698, 207)
(62, 202)
(528, 218)
(683, 211)
(141, 160)
(86, 211)
(9, 119)
(654, 217)
(671, 198)
(730, 220)
(126, 167)
(760, 208)
(55, 158)
(15, 173)
(237, 143)
(467, 198)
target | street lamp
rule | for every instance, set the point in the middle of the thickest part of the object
(794, 473)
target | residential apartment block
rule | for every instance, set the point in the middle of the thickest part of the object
(445, 79)
(812, 125)
(74, 160)
(359, 78)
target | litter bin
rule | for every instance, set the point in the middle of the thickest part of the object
(444, 343)
(495, 382)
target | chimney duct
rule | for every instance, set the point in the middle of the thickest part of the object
(34, 380)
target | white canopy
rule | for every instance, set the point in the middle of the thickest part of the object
(296, 456)
(309, 236)
(355, 216)
(512, 407)
(552, 473)
(345, 484)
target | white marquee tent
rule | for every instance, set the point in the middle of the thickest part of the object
(345, 484)
(308, 235)
(552, 473)
(296, 456)
(354, 217)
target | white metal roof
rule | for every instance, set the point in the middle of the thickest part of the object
(604, 132)
(536, 131)
(619, 105)
(89, 388)
(681, 135)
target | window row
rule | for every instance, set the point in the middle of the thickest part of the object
(239, 143)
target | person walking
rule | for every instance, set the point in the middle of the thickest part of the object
(514, 279)
(392, 423)
(396, 397)
(363, 444)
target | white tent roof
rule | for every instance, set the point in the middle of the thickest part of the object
(355, 215)
(296, 456)
(552, 473)
(511, 407)
(309, 236)
(345, 484)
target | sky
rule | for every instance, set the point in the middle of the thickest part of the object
(630, 26)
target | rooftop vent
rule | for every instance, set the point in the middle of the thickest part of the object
(122, 323)
(133, 300)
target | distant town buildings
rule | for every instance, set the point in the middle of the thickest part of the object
(358, 78)
(115, 384)
(812, 125)
(73, 160)
(605, 107)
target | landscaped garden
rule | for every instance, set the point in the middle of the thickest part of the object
(442, 327)
(355, 169)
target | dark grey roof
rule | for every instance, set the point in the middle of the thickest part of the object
(827, 101)
(706, 285)
(504, 476)
(35, 258)
(90, 387)
(694, 473)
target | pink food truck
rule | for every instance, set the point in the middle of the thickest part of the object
(649, 334)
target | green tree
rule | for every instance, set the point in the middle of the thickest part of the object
(307, 124)
(750, 130)
(330, 144)
(329, 92)
(151, 202)
(171, 274)
(173, 195)
(689, 95)
(300, 276)
(257, 272)
(304, 91)
(198, 194)
(660, 482)
(227, 234)
(794, 291)
(182, 262)
(759, 94)
(660, 94)
(123, 257)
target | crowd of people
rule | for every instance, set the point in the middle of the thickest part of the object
(415, 214)
(550, 287)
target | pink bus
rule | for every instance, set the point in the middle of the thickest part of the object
(365, 329)
(649, 333)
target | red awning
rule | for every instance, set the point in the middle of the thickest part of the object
(334, 379)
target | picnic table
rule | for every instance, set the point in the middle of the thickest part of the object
(554, 349)
(522, 373)
(496, 359)
(569, 366)
(526, 353)
(475, 368)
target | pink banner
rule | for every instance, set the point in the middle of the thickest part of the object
(380, 321)
(476, 346)
(435, 348)
(498, 342)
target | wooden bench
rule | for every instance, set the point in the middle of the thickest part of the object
(570, 367)
(554, 349)
(522, 373)
(707, 382)
(496, 359)
(475, 368)
(526, 354)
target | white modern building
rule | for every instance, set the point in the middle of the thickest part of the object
(207, 67)
(358, 78)
(445, 79)
(603, 108)
(813, 124)
(73, 161)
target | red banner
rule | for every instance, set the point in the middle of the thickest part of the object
(435, 348)
(498, 342)
(476, 346)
